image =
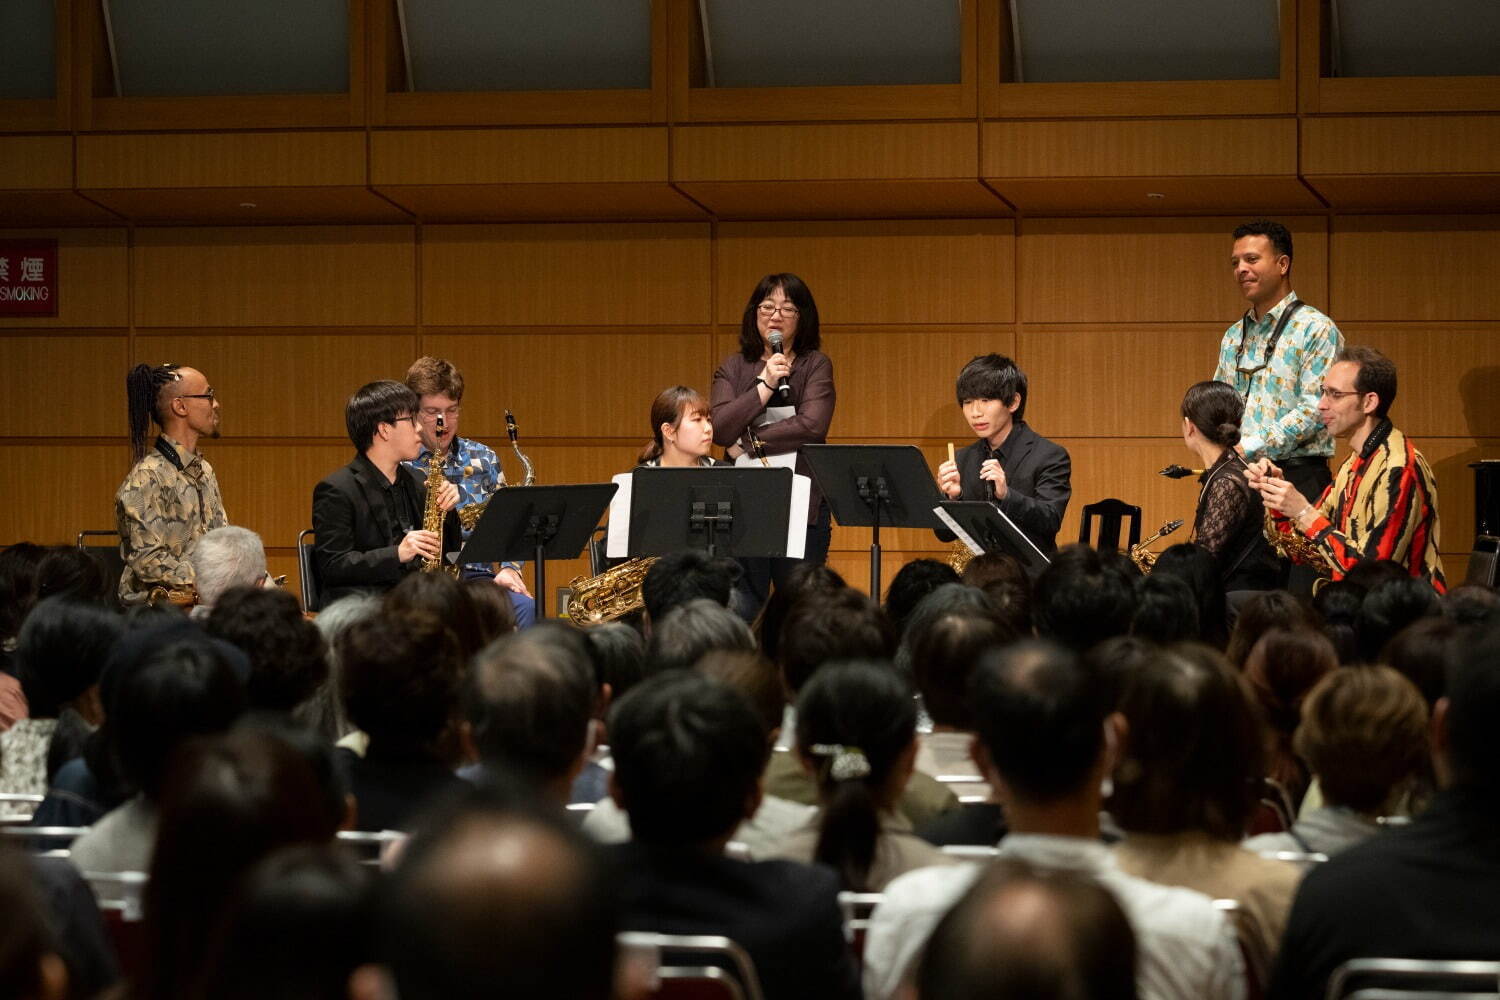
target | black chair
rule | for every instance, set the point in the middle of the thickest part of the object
(1110, 513)
(104, 547)
(312, 589)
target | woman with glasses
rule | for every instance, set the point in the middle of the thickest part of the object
(774, 396)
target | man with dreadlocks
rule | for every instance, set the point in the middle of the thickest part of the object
(170, 497)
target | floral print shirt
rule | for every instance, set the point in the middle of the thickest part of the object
(167, 501)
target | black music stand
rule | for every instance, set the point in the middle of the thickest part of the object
(742, 513)
(875, 485)
(540, 523)
(984, 524)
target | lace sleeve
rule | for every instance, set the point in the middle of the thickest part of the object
(1224, 510)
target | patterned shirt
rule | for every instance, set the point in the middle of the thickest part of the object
(1281, 400)
(474, 468)
(166, 502)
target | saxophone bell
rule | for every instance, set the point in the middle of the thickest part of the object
(1145, 560)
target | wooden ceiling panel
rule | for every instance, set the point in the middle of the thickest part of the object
(602, 202)
(250, 206)
(1070, 196)
(848, 199)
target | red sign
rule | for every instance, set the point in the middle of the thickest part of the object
(28, 277)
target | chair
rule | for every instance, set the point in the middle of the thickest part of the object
(1109, 514)
(16, 807)
(312, 590)
(105, 550)
(369, 847)
(729, 973)
(1414, 979)
(971, 852)
(1252, 952)
(857, 908)
(1305, 859)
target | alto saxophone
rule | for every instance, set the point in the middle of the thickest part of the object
(1145, 560)
(432, 517)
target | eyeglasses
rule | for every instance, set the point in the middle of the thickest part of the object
(199, 395)
(771, 309)
(1328, 392)
(397, 420)
(432, 413)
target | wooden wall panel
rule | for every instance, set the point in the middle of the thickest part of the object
(92, 267)
(292, 386)
(36, 161)
(565, 275)
(1148, 270)
(1450, 458)
(877, 272)
(1177, 147)
(1125, 468)
(55, 490)
(1128, 381)
(1416, 268)
(268, 487)
(518, 156)
(304, 276)
(1449, 376)
(1401, 144)
(59, 386)
(221, 159)
(887, 151)
(571, 384)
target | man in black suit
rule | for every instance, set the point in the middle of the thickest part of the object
(689, 752)
(368, 515)
(1011, 464)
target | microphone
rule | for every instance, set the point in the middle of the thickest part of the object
(783, 387)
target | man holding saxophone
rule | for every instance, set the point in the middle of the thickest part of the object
(469, 465)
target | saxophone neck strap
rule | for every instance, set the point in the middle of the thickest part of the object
(1281, 324)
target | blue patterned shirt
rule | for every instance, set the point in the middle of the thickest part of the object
(474, 469)
(1281, 400)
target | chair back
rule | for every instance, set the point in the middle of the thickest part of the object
(1414, 979)
(312, 591)
(17, 807)
(857, 908)
(684, 980)
(104, 546)
(980, 853)
(1110, 514)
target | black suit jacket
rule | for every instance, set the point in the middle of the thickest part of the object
(1038, 475)
(784, 913)
(358, 533)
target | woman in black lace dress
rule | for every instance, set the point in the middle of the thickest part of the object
(1230, 519)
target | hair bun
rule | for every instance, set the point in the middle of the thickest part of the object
(1229, 434)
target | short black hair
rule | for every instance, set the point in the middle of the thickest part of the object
(992, 376)
(688, 753)
(619, 655)
(1165, 611)
(530, 703)
(1377, 374)
(944, 654)
(68, 571)
(1040, 717)
(808, 337)
(1473, 693)
(691, 630)
(912, 582)
(680, 577)
(1337, 607)
(1388, 609)
(376, 403)
(826, 626)
(60, 652)
(1197, 567)
(402, 676)
(288, 657)
(1081, 600)
(1279, 235)
(447, 600)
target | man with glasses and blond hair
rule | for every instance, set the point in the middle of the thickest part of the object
(1383, 503)
(472, 467)
(170, 497)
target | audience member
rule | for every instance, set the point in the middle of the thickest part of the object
(947, 599)
(18, 565)
(1183, 792)
(680, 577)
(227, 802)
(324, 711)
(857, 735)
(1197, 567)
(1337, 606)
(60, 655)
(804, 578)
(1281, 668)
(1046, 745)
(288, 657)
(1012, 603)
(68, 572)
(1419, 652)
(689, 753)
(185, 688)
(619, 655)
(1364, 737)
(1165, 610)
(1025, 933)
(994, 567)
(1263, 611)
(1371, 573)
(31, 963)
(913, 582)
(493, 895)
(403, 675)
(692, 629)
(1080, 600)
(223, 559)
(1390, 607)
(493, 607)
(1114, 665)
(444, 598)
(1417, 891)
(1472, 604)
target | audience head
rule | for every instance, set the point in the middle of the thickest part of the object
(531, 700)
(401, 684)
(31, 965)
(1266, 610)
(288, 657)
(1472, 604)
(225, 558)
(18, 565)
(680, 577)
(693, 629)
(1389, 608)
(804, 579)
(1371, 573)
(1336, 605)
(1194, 746)
(1012, 603)
(827, 626)
(910, 585)
(805, 335)
(376, 405)
(68, 571)
(444, 598)
(1165, 611)
(1214, 409)
(493, 608)
(856, 730)
(1040, 721)
(1080, 600)
(60, 654)
(498, 895)
(993, 376)
(325, 711)
(754, 677)
(1196, 566)
(1114, 663)
(1364, 735)
(992, 567)
(1025, 933)
(1419, 653)
(944, 654)
(1466, 739)
(689, 752)
(1282, 667)
(619, 655)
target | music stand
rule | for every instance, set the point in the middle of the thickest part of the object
(875, 486)
(982, 524)
(741, 513)
(540, 523)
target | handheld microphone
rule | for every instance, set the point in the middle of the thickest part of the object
(784, 386)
